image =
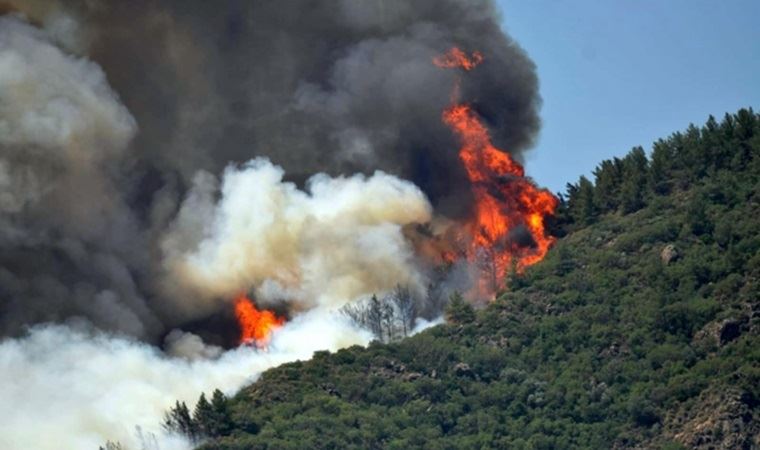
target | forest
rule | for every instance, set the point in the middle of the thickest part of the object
(638, 330)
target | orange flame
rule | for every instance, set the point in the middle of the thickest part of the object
(504, 199)
(256, 326)
(456, 58)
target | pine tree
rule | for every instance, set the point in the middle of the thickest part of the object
(711, 141)
(458, 310)
(581, 205)
(607, 185)
(745, 129)
(694, 154)
(633, 189)
(728, 127)
(178, 420)
(661, 168)
(222, 423)
(203, 416)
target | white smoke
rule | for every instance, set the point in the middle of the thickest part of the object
(53, 102)
(58, 119)
(187, 345)
(339, 240)
(64, 387)
(63, 131)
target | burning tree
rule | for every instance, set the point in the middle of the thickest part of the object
(508, 221)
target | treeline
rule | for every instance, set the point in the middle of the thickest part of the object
(209, 419)
(676, 163)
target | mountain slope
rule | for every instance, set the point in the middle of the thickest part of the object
(639, 330)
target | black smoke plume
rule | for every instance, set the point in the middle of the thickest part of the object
(340, 87)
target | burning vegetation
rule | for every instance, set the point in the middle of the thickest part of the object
(256, 326)
(505, 231)
(553, 364)
(507, 227)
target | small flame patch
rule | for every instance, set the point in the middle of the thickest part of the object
(256, 326)
(456, 58)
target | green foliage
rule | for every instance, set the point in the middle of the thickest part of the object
(633, 187)
(458, 311)
(608, 178)
(219, 423)
(678, 162)
(178, 420)
(598, 346)
(203, 415)
(580, 204)
(209, 419)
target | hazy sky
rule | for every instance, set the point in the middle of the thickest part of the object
(620, 73)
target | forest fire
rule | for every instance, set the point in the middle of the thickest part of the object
(507, 227)
(188, 220)
(256, 326)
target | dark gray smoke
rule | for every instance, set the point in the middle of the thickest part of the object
(339, 86)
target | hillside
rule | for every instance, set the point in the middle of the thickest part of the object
(638, 330)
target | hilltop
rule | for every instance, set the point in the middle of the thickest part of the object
(638, 330)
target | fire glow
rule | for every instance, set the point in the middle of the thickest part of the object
(256, 326)
(505, 200)
(457, 59)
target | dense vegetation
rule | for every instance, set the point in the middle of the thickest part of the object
(640, 329)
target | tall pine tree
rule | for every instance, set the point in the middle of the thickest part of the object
(203, 416)
(633, 189)
(581, 205)
(607, 185)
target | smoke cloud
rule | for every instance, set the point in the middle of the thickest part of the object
(333, 86)
(337, 242)
(97, 187)
(68, 241)
(73, 387)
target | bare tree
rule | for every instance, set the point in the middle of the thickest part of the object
(367, 314)
(389, 318)
(375, 317)
(406, 308)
